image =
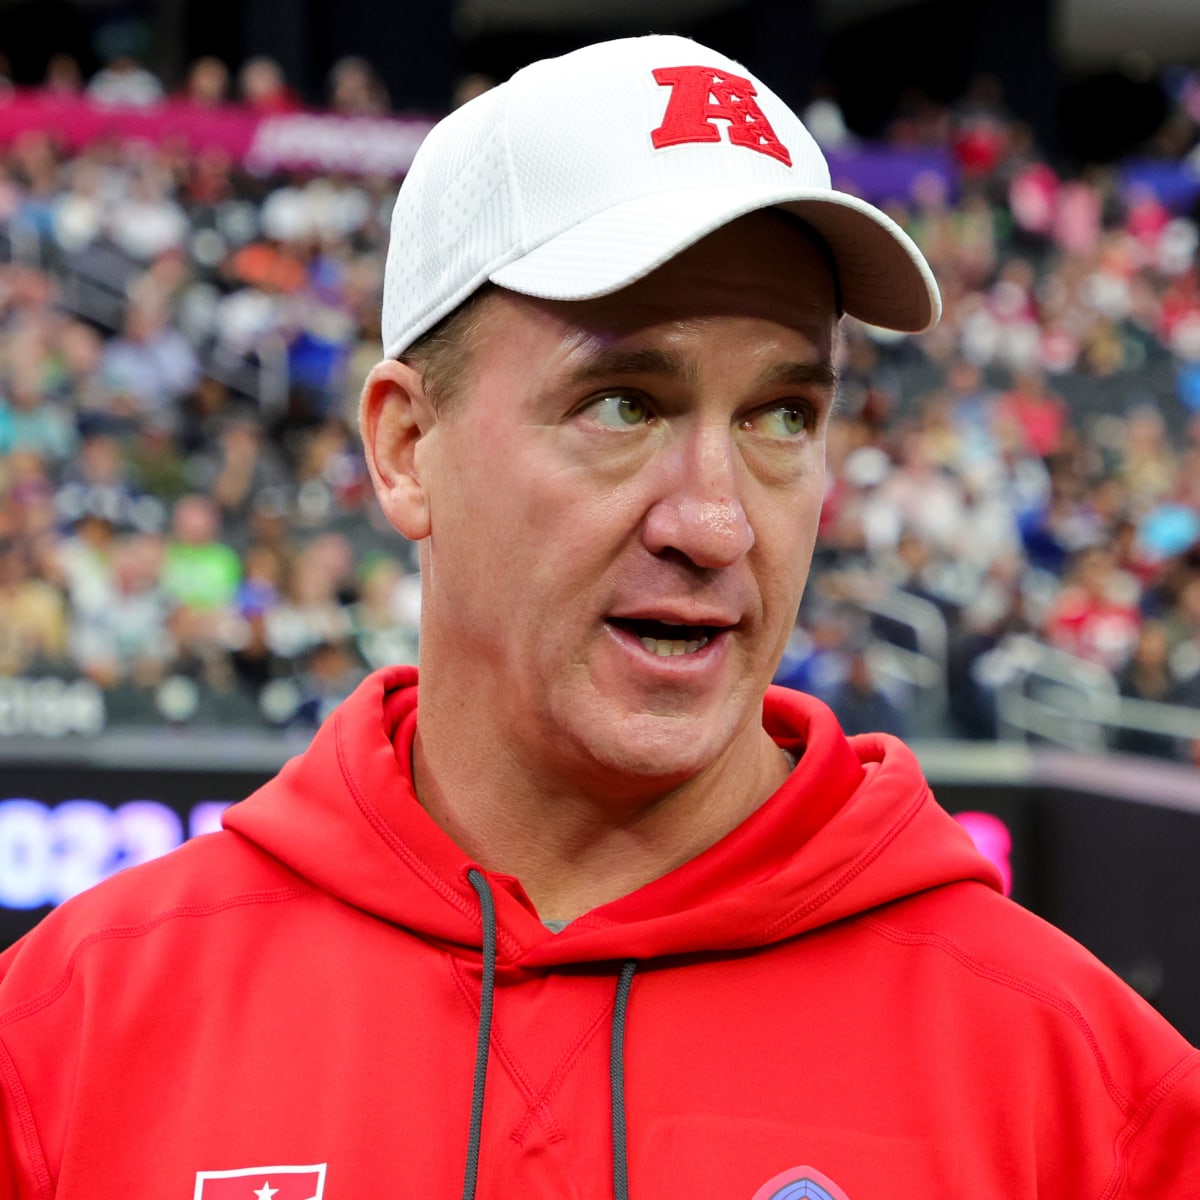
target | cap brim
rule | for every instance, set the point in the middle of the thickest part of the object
(883, 276)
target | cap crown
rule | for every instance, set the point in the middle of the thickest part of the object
(570, 137)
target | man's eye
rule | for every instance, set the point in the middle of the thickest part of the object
(621, 411)
(783, 421)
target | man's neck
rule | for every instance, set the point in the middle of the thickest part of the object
(574, 849)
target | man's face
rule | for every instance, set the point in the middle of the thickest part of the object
(623, 503)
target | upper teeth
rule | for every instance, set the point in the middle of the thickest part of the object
(670, 646)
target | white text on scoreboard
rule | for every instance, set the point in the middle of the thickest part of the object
(49, 853)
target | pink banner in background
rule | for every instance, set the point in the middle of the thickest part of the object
(320, 141)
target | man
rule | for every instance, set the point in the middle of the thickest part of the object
(595, 920)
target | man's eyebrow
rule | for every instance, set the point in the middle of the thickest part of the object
(614, 362)
(799, 374)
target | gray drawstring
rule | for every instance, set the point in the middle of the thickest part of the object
(487, 915)
(616, 1075)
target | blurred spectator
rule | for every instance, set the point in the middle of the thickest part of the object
(125, 82)
(310, 611)
(981, 134)
(242, 463)
(98, 482)
(989, 643)
(918, 569)
(817, 657)
(35, 160)
(258, 591)
(148, 222)
(63, 76)
(826, 122)
(861, 704)
(207, 83)
(1051, 530)
(84, 565)
(150, 367)
(1148, 465)
(331, 672)
(919, 497)
(355, 89)
(1037, 415)
(30, 419)
(1096, 617)
(268, 268)
(263, 88)
(80, 211)
(33, 616)
(200, 572)
(254, 662)
(386, 618)
(155, 464)
(1182, 625)
(28, 496)
(330, 474)
(1147, 676)
(122, 634)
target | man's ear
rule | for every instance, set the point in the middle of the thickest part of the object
(394, 416)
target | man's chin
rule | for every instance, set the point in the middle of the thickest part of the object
(655, 751)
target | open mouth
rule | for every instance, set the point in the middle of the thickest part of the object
(667, 640)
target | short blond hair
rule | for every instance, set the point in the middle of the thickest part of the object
(442, 355)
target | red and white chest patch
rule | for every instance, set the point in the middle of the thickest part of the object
(262, 1183)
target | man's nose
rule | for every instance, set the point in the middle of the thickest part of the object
(699, 511)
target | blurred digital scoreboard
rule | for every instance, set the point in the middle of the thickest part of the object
(71, 814)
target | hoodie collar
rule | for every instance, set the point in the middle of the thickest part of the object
(853, 826)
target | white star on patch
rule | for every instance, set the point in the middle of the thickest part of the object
(266, 1191)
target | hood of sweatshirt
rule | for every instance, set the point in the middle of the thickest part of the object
(853, 827)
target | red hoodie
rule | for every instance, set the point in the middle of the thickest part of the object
(831, 1003)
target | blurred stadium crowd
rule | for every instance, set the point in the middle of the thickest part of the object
(186, 521)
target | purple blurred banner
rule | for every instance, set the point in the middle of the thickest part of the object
(1176, 184)
(880, 174)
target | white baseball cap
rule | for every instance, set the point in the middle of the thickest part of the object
(584, 173)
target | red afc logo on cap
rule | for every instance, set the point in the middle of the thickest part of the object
(702, 95)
